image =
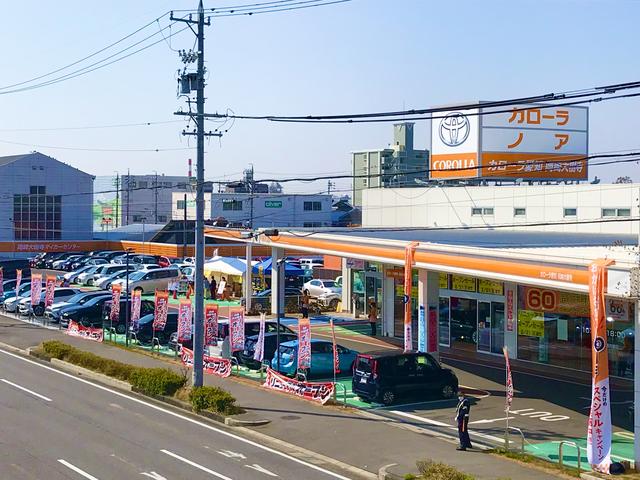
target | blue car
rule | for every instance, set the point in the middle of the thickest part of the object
(321, 358)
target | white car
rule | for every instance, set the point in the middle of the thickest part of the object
(102, 271)
(60, 294)
(318, 287)
(90, 271)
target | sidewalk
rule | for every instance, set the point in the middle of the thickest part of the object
(356, 438)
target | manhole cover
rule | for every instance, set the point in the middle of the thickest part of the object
(290, 417)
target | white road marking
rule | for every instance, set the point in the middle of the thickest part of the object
(46, 399)
(180, 416)
(230, 454)
(260, 469)
(491, 420)
(76, 469)
(196, 465)
(154, 475)
(354, 340)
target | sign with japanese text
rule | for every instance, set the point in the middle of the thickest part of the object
(258, 353)
(36, 288)
(432, 330)
(336, 356)
(18, 280)
(422, 329)
(116, 289)
(490, 287)
(161, 310)
(509, 381)
(220, 367)
(1, 281)
(618, 310)
(409, 254)
(318, 392)
(443, 280)
(236, 329)
(463, 283)
(304, 343)
(50, 286)
(210, 325)
(510, 307)
(396, 273)
(184, 320)
(530, 323)
(524, 141)
(88, 333)
(555, 301)
(136, 304)
(599, 429)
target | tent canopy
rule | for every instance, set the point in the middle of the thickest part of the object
(289, 269)
(226, 266)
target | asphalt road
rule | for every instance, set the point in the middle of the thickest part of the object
(58, 426)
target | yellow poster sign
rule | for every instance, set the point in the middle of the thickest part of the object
(463, 283)
(530, 323)
(444, 280)
(490, 287)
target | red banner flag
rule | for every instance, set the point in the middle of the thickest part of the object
(210, 325)
(18, 280)
(258, 353)
(89, 333)
(184, 320)
(318, 392)
(36, 288)
(116, 290)
(236, 329)
(509, 381)
(599, 430)
(50, 287)
(1, 281)
(336, 357)
(161, 310)
(409, 254)
(304, 343)
(136, 304)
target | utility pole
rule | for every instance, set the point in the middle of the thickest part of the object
(128, 193)
(184, 228)
(155, 188)
(251, 184)
(198, 331)
(117, 197)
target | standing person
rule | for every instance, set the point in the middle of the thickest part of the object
(304, 303)
(207, 287)
(462, 418)
(214, 287)
(373, 316)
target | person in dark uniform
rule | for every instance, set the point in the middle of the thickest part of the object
(462, 418)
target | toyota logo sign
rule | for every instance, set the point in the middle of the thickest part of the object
(454, 129)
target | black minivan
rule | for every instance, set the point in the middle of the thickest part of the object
(387, 375)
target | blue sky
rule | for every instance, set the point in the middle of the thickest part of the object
(366, 55)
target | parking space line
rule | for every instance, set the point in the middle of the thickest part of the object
(196, 465)
(46, 399)
(76, 469)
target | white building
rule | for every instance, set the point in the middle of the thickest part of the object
(148, 198)
(271, 209)
(178, 205)
(44, 199)
(560, 207)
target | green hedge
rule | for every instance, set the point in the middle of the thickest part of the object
(213, 399)
(151, 381)
(430, 470)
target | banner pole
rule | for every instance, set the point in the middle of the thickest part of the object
(506, 398)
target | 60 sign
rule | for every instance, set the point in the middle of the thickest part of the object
(539, 299)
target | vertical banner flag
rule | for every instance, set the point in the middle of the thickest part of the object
(36, 288)
(509, 385)
(409, 253)
(422, 329)
(50, 287)
(116, 290)
(161, 310)
(599, 430)
(258, 354)
(304, 343)
(136, 303)
(236, 329)
(336, 357)
(184, 320)
(210, 325)
(18, 280)
(1, 281)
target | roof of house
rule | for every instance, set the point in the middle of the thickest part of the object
(14, 158)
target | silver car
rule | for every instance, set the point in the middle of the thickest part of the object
(150, 280)
(60, 294)
(102, 271)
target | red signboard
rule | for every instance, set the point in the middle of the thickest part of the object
(88, 333)
(115, 302)
(210, 325)
(161, 310)
(49, 290)
(510, 308)
(304, 343)
(184, 320)
(318, 392)
(432, 329)
(236, 329)
(220, 367)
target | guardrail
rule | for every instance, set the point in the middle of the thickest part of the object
(560, 448)
(521, 435)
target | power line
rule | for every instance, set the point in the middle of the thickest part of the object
(285, 7)
(91, 127)
(83, 149)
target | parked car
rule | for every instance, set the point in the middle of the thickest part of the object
(321, 358)
(89, 271)
(59, 294)
(11, 303)
(10, 292)
(103, 270)
(56, 260)
(318, 287)
(9, 288)
(261, 301)
(73, 275)
(54, 312)
(66, 264)
(150, 280)
(146, 307)
(145, 332)
(270, 343)
(106, 281)
(88, 313)
(386, 376)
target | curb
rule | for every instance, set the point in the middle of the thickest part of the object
(98, 377)
(21, 351)
(383, 474)
(235, 422)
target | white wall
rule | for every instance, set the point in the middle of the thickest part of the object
(451, 206)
